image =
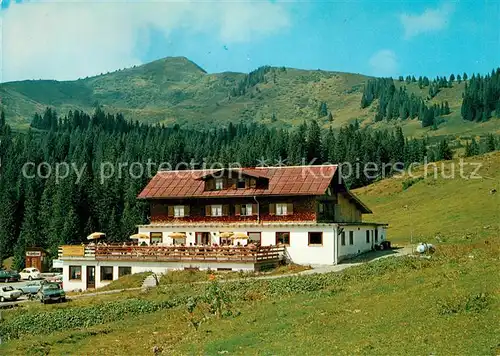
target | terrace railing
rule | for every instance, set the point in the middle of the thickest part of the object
(182, 253)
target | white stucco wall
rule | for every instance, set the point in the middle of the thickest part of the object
(299, 251)
(360, 245)
(137, 267)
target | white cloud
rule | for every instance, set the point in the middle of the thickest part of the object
(430, 20)
(67, 40)
(384, 63)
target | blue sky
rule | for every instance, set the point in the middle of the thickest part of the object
(49, 40)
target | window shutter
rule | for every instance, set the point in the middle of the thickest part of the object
(272, 209)
(210, 184)
(237, 210)
(225, 210)
(170, 210)
(208, 210)
(255, 209)
(186, 210)
(253, 183)
(289, 209)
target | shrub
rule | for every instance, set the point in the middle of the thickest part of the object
(44, 322)
(408, 183)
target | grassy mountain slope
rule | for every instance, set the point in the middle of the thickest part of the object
(454, 210)
(175, 90)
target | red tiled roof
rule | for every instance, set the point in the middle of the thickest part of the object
(301, 180)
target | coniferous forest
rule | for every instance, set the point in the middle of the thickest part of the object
(48, 211)
(481, 98)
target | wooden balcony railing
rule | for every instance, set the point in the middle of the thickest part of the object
(183, 253)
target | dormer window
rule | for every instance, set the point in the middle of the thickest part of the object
(219, 184)
(241, 184)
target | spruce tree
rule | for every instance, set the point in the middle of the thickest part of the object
(314, 142)
(322, 110)
(490, 143)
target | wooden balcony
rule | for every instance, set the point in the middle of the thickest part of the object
(175, 253)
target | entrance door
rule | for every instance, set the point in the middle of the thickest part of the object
(90, 277)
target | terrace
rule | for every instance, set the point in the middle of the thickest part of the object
(220, 254)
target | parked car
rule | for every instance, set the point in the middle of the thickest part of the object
(9, 293)
(51, 292)
(9, 276)
(30, 273)
(58, 278)
(32, 287)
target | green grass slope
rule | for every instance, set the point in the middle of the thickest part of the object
(453, 209)
(449, 304)
(176, 90)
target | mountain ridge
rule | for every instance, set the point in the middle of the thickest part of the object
(177, 90)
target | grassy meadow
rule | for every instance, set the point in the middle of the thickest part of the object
(453, 210)
(448, 304)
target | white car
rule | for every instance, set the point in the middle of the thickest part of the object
(30, 273)
(9, 293)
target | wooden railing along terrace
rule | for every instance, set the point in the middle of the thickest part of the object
(185, 253)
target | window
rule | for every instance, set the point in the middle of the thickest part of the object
(321, 208)
(106, 273)
(342, 238)
(179, 211)
(179, 240)
(254, 237)
(203, 238)
(155, 237)
(351, 237)
(124, 271)
(281, 209)
(246, 210)
(219, 184)
(283, 238)
(376, 235)
(216, 210)
(75, 272)
(241, 184)
(315, 238)
(367, 236)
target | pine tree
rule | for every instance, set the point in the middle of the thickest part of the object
(314, 143)
(322, 110)
(444, 152)
(490, 143)
(472, 149)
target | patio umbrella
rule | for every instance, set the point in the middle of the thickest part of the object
(240, 235)
(96, 235)
(226, 234)
(139, 236)
(177, 235)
